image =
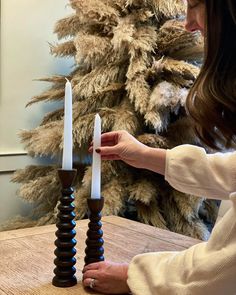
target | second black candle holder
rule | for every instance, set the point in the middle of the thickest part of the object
(94, 250)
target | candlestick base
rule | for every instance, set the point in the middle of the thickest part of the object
(94, 250)
(65, 242)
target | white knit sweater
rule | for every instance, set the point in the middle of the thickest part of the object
(208, 268)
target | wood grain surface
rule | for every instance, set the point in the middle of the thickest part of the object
(26, 255)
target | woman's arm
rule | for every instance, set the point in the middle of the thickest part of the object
(190, 170)
(187, 168)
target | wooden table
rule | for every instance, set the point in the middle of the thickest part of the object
(26, 255)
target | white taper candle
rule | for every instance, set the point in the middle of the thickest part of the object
(96, 164)
(68, 141)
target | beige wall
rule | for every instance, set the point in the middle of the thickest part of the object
(26, 30)
(10, 204)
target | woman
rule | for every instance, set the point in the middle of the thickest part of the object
(208, 267)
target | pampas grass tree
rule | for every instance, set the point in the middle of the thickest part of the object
(134, 65)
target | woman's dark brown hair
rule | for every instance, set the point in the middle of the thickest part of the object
(211, 102)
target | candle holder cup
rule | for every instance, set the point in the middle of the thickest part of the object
(65, 242)
(94, 250)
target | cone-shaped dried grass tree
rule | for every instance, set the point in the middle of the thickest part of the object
(134, 65)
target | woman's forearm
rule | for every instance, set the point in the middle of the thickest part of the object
(154, 159)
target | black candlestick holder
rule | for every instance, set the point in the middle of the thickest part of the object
(65, 242)
(94, 250)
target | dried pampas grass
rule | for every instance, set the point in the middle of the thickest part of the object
(31, 172)
(68, 26)
(96, 11)
(144, 191)
(44, 140)
(91, 50)
(175, 41)
(63, 50)
(167, 9)
(150, 214)
(134, 65)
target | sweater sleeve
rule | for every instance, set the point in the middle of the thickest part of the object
(190, 170)
(205, 268)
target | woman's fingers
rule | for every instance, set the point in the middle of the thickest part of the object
(109, 135)
(87, 283)
(107, 151)
(104, 151)
(91, 266)
(90, 274)
(110, 147)
(108, 142)
(106, 277)
(110, 157)
(90, 150)
(105, 143)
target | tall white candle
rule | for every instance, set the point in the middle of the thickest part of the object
(68, 142)
(96, 164)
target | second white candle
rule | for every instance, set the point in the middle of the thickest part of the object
(96, 164)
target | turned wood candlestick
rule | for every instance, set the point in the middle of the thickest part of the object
(94, 250)
(65, 242)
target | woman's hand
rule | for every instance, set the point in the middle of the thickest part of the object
(120, 145)
(106, 277)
